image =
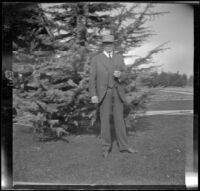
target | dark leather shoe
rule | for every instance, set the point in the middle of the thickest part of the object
(105, 154)
(129, 150)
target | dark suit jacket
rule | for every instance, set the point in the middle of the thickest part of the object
(99, 75)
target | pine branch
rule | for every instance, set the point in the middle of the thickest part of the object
(145, 59)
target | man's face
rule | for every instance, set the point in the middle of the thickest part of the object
(108, 46)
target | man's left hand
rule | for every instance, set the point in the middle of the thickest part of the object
(117, 73)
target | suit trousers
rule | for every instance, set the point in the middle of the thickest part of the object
(112, 105)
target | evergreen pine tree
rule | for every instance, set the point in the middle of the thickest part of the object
(56, 90)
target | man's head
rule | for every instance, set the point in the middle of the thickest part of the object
(108, 43)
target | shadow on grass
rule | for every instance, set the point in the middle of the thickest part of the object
(142, 124)
(47, 137)
(52, 139)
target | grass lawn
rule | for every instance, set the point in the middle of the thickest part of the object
(160, 141)
(160, 160)
(171, 94)
(185, 89)
(171, 105)
(160, 100)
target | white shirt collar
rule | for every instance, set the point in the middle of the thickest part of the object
(106, 53)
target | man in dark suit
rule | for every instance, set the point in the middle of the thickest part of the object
(106, 87)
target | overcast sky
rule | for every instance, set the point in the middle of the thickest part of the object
(176, 27)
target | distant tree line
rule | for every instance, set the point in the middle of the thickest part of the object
(166, 79)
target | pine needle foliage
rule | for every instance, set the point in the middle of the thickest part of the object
(52, 61)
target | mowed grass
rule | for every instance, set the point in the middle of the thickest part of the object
(172, 99)
(185, 89)
(160, 160)
(159, 94)
(171, 105)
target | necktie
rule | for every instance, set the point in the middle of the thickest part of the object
(109, 55)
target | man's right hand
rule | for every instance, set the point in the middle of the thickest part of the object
(94, 99)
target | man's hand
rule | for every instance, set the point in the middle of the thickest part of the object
(117, 73)
(94, 99)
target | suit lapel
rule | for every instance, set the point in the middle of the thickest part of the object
(104, 60)
(105, 64)
(115, 62)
